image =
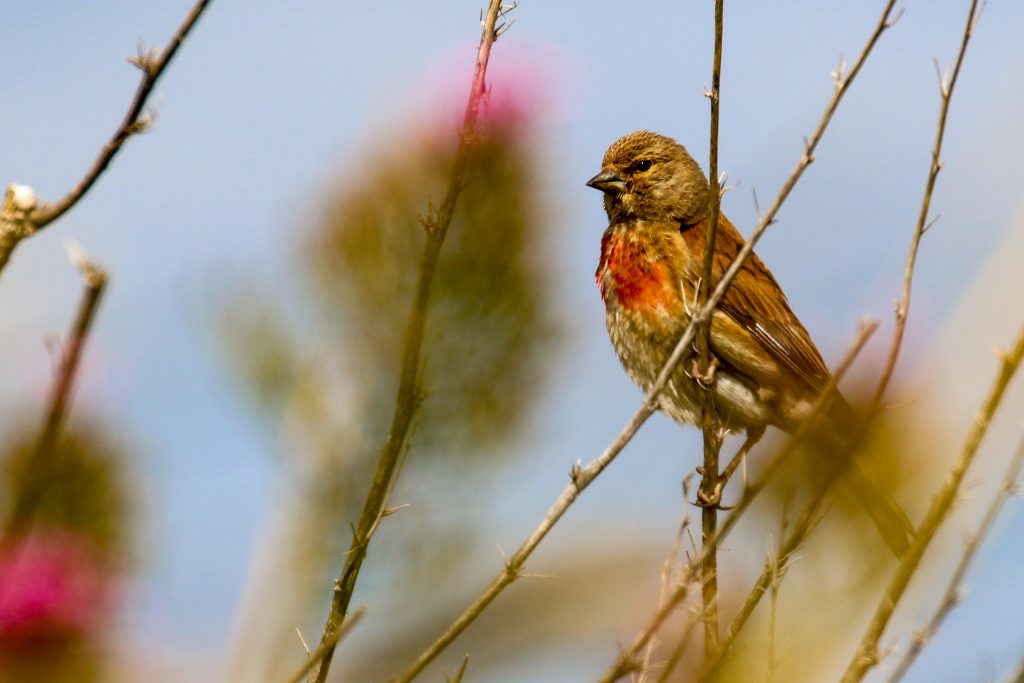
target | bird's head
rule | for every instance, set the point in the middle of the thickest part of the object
(651, 177)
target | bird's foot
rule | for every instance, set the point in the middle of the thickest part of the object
(714, 499)
(706, 378)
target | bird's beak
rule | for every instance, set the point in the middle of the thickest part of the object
(608, 182)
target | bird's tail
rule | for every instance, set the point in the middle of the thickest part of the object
(890, 519)
(885, 512)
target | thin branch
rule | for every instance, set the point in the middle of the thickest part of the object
(867, 651)
(774, 566)
(409, 396)
(668, 569)
(581, 476)
(792, 543)
(954, 591)
(462, 669)
(678, 651)
(336, 637)
(627, 659)
(710, 424)
(135, 121)
(1017, 674)
(946, 93)
(94, 282)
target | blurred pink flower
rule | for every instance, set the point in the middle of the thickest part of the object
(526, 85)
(54, 587)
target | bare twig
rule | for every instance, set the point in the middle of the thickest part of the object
(792, 543)
(336, 637)
(626, 661)
(94, 282)
(678, 651)
(774, 567)
(668, 570)
(582, 476)
(710, 424)
(136, 120)
(946, 94)
(954, 589)
(1016, 675)
(409, 394)
(867, 651)
(460, 673)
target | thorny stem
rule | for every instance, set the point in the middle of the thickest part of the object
(710, 424)
(135, 121)
(336, 637)
(794, 539)
(954, 593)
(867, 652)
(946, 94)
(94, 282)
(409, 394)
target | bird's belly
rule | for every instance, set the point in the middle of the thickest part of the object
(644, 348)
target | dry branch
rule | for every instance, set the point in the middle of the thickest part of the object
(409, 391)
(710, 424)
(954, 589)
(336, 637)
(33, 217)
(867, 651)
(946, 93)
(94, 282)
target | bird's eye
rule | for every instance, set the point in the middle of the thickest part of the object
(644, 165)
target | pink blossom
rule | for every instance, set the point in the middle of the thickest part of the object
(54, 586)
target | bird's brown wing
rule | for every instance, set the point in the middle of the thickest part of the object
(756, 305)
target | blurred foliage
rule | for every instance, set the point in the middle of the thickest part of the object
(79, 486)
(326, 369)
(66, 518)
(488, 328)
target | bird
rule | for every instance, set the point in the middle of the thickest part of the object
(765, 369)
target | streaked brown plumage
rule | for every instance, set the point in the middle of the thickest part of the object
(769, 371)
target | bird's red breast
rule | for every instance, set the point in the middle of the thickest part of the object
(629, 278)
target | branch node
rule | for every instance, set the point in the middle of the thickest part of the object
(392, 510)
(147, 61)
(93, 275)
(16, 217)
(576, 473)
(892, 22)
(839, 74)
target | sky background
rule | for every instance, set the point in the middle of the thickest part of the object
(267, 102)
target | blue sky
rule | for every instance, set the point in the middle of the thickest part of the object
(267, 101)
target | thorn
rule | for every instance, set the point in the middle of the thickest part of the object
(839, 73)
(575, 471)
(393, 510)
(977, 17)
(892, 22)
(930, 223)
(145, 60)
(723, 187)
(303, 641)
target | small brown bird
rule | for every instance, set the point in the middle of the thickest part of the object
(765, 368)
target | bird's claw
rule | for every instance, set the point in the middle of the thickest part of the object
(706, 378)
(713, 500)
